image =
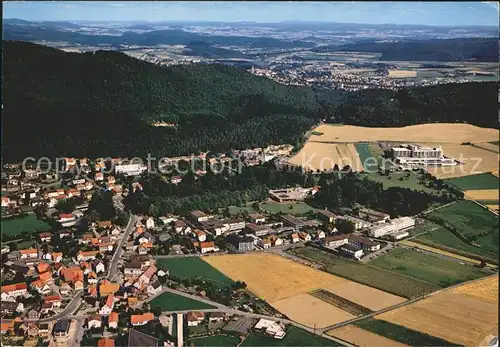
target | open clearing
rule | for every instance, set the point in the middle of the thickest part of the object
(189, 267)
(426, 267)
(483, 194)
(324, 156)
(362, 337)
(489, 146)
(18, 225)
(402, 73)
(311, 311)
(399, 179)
(173, 302)
(475, 160)
(285, 285)
(297, 208)
(462, 315)
(493, 207)
(434, 132)
(473, 182)
(389, 282)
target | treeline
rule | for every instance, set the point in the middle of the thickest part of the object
(474, 103)
(211, 192)
(100, 104)
(345, 190)
(338, 190)
(484, 49)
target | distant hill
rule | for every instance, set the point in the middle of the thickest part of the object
(462, 49)
(99, 104)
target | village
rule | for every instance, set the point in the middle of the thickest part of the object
(99, 278)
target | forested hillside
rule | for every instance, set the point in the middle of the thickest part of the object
(98, 104)
(460, 49)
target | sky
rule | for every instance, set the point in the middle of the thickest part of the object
(423, 13)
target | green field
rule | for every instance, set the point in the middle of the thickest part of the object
(472, 220)
(437, 235)
(19, 225)
(173, 302)
(400, 333)
(368, 275)
(474, 182)
(216, 340)
(189, 267)
(364, 152)
(297, 208)
(394, 180)
(234, 210)
(293, 337)
(426, 267)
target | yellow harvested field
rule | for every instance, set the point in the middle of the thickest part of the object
(461, 315)
(285, 285)
(363, 295)
(488, 146)
(402, 73)
(495, 173)
(324, 156)
(433, 132)
(482, 194)
(311, 311)
(475, 160)
(270, 276)
(493, 207)
(485, 290)
(361, 337)
(439, 251)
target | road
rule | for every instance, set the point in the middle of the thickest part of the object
(113, 265)
(70, 308)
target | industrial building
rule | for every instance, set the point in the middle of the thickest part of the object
(395, 225)
(130, 169)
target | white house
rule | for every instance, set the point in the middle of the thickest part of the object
(194, 318)
(108, 306)
(150, 223)
(154, 288)
(95, 322)
(202, 237)
(320, 234)
(99, 266)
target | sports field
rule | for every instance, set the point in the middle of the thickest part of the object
(463, 315)
(433, 132)
(189, 267)
(264, 275)
(472, 220)
(368, 275)
(297, 208)
(173, 302)
(18, 225)
(472, 182)
(294, 337)
(426, 267)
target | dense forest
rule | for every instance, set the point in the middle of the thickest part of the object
(338, 190)
(459, 49)
(99, 104)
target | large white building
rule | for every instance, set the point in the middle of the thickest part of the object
(130, 169)
(408, 156)
(393, 226)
